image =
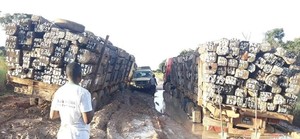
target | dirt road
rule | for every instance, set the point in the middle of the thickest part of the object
(129, 115)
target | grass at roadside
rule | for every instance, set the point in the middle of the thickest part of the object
(159, 76)
(3, 70)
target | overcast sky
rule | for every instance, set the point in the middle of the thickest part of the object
(153, 30)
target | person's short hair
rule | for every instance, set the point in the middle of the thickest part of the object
(73, 71)
(153, 75)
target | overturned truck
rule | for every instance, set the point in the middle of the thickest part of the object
(236, 85)
(38, 51)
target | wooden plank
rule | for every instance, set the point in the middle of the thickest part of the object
(267, 114)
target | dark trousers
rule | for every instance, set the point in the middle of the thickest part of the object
(153, 88)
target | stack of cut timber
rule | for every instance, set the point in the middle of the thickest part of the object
(184, 74)
(240, 73)
(38, 49)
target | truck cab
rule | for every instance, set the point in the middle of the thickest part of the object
(166, 69)
(141, 78)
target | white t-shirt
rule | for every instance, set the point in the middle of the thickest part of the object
(71, 100)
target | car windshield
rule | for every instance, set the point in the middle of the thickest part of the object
(139, 74)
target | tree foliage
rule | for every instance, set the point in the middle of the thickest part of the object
(186, 52)
(6, 18)
(161, 65)
(275, 36)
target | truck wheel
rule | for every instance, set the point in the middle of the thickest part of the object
(190, 108)
(40, 101)
(33, 101)
(95, 101)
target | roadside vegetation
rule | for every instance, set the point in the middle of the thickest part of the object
(3, 70)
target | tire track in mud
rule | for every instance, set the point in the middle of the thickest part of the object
(135, 118)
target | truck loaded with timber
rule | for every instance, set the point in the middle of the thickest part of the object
(237, 86)
(37, 52)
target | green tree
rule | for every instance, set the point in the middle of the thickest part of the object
(275, 36)
(293, 45)
(186, 52)
(161, 65)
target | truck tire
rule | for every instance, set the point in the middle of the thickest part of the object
(40, 101)
(33, 101)
(95, 101)
(190, 107)
(72, 26)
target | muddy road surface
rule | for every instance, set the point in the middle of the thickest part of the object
(128, 115)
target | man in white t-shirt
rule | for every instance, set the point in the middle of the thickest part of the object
(72, 103)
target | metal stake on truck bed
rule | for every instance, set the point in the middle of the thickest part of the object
(255, 135)
(99, 60)
(223, 134)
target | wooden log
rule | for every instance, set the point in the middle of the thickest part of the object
(260, 62)
(221, 71)
(267, 68)
(251, 57)
(279, 99)
(241, 92)
(295, 89)
(284, 109)
(234, 47)
(11, 42)
(244, 46)
(11, 29)
(230, 100)
(229, 90)
(37, 42)
(231, 70)
(241, 102)
(270, 58)
(209, 57)
(210, 68)
(252, 84)
(220, 80)
(222, 48)
(279, 62)
(230, 80)
(222, 61)
(250, 102)
(271, 80)
(276, 89)
(271, 106)
(262, 105)
(243, 64)
(87, 57)
(276, 70)
(291, 99)
(254, 48)
(64, 44)
(56, 62)
(242, 74)
(233, 63)
(265, 46)
(265, 96)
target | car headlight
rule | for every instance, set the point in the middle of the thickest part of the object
(132, 83)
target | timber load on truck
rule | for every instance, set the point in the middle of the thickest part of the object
(38, 51)
(236, 85)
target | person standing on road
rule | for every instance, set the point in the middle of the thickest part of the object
(72, 104)
(153, 84)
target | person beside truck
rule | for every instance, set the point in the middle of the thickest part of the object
(153, 83)
(73, 105)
